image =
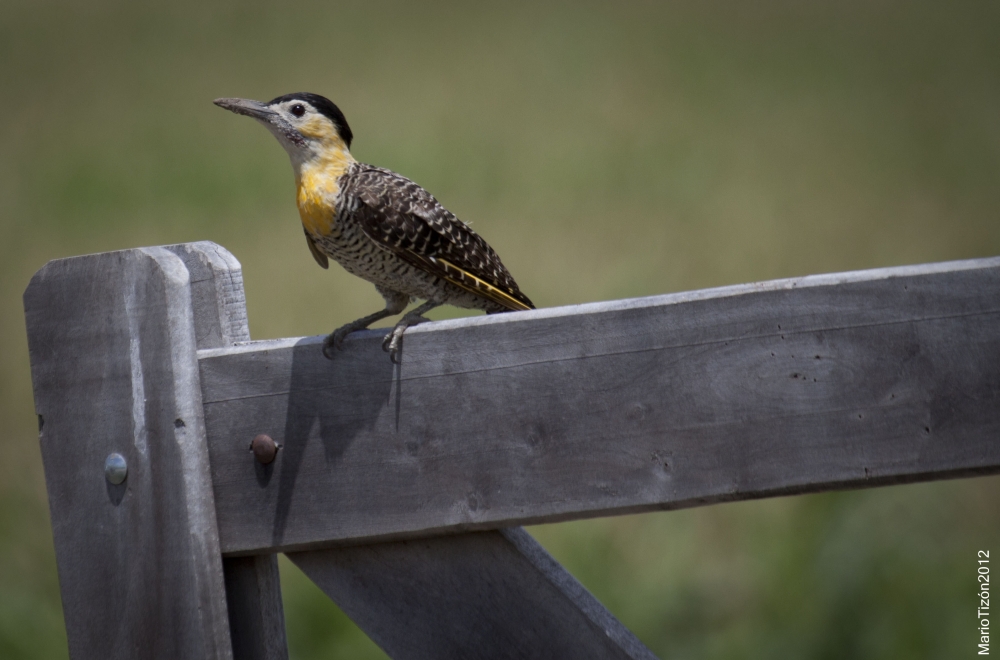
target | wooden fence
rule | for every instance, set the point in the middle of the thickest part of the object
(399, 489)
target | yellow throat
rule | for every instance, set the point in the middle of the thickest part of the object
(317, 175)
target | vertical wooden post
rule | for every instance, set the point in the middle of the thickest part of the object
(253, 586)
(114, 364)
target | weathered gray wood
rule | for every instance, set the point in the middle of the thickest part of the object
(253, 585)
(511, 575)
(822, 382)
(217, 298)
(256, 616)
(114, 366)
(472, 596)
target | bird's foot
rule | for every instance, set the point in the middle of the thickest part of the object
(335, 340)
(393, 342)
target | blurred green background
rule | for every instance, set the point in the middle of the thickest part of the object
(606, 151)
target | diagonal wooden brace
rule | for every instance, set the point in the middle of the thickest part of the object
(475, 596)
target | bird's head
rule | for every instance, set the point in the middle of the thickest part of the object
(308, 126)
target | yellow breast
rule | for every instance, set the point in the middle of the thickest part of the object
(318, 188)
(317, 196)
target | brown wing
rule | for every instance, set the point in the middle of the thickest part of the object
(403, 217)
(317, 255)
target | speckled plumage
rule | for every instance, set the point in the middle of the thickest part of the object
(388, 230)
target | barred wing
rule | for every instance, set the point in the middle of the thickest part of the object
(401, 216)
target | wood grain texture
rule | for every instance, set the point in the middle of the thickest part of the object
(217, 297)
(253, 585)
(256, 615)
(114, 367)
(475, 596)
(823, 382)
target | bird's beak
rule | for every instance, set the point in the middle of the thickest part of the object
(259, 111)
(247, 107)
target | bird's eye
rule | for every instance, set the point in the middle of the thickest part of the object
(298, 110)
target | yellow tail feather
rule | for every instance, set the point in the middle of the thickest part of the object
(482, 287)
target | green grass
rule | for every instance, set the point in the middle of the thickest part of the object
(606, 151)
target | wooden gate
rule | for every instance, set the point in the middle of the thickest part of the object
(399, 489)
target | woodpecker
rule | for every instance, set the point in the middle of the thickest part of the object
(379, 225)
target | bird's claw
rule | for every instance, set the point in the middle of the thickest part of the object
(393, 343)
(330, 347)
(335, 341)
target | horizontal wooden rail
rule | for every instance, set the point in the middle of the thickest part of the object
(148, 392)
(834, 381)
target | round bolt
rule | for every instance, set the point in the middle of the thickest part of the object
(115, 468)
(264, 449)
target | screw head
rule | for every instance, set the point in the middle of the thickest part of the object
(264, 448)
(115, 468)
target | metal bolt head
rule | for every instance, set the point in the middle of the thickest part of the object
(115, 468)
(264, 449)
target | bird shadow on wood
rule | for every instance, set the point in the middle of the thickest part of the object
(330, 404)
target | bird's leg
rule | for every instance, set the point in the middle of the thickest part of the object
(395, 303)
(393, 341)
